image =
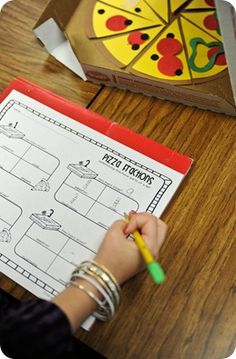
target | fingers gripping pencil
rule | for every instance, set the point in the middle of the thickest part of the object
(154, 268)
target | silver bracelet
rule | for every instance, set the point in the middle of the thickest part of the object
(102, 275)
(87, 291)
(107, 309)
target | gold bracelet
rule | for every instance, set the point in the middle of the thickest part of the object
(86, 270)
(108, 273)
(106, 310)
(108, 280)
(87, 291)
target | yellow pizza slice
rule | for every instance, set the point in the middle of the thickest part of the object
(108, 20)
(206, 56)
(160, 7)
(176, 4)
(206, 20)
(124, 48)
(165, 59)
(137, 7)
(200, 4)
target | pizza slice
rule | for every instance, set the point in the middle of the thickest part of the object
(165, 59)
(137, 7)
(200, 4)
(160, 7)
(205, 54)
(176, 5)
(107, 20)
(205, 20)
(131, 44)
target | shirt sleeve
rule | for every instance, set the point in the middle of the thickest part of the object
(35, 329)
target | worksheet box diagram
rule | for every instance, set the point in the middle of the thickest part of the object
(42, 160)
(73, 199)
(109, 200)
(52, 240)
(28, 173)
(8, 160)
(60, 270)
(9, 213)
(11, 132)
(34, 253)
(75, 253)
(14, 146)
(89, 187)
(103, 216)
(116, 201)
(26, 161)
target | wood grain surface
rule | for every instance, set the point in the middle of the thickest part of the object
(193, 315)
(22, 55)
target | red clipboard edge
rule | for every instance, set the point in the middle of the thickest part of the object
(127, 137)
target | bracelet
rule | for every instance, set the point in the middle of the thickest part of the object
(101, 279)
(108, 273)
(101, 272)
(85, 270)
(102, 312)
(87, 291)
(107, 309)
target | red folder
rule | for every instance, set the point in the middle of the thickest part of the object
(139, 143)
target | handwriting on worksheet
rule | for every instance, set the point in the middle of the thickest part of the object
(62, 185)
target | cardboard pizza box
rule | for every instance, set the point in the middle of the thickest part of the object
(137, 45)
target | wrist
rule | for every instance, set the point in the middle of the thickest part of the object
(111, 267)
(88, 286)
(99, 277)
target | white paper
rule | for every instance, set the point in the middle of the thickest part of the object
(2, 3)
(62, 185)
(232, 2)
(2, 356)
(58, 46)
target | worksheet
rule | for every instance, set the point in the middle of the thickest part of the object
(62, 184)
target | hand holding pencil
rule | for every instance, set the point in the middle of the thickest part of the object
(154, 268)
(122, 256)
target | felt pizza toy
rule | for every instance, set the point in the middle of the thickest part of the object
(170, 40)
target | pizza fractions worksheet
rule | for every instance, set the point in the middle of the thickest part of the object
(62, 184)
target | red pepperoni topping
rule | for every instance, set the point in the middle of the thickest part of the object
(220, 59)
(117, 23)
(169, 46)
(170, 66)
(210, 2)
(211, 22)
(136, 38)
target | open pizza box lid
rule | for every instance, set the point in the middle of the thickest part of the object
(51, 30)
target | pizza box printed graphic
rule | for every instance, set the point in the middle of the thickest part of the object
(174, 49)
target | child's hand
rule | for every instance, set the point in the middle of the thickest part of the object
(121, 255)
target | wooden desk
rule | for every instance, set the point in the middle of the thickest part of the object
(194, 314)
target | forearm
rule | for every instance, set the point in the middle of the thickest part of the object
(76, 303)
